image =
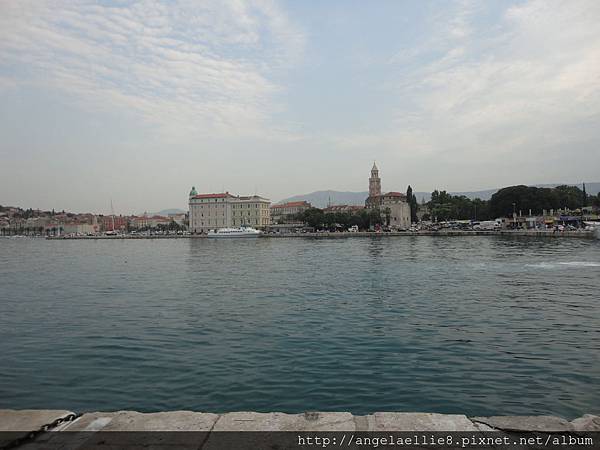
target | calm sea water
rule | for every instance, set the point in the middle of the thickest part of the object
(477, 325)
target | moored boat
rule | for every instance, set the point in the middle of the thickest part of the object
(593, 225)
(241, 232)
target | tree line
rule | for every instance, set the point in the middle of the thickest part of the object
(444, 206)
(509, 200)
(363, 219)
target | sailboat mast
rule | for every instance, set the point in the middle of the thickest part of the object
(112, 212)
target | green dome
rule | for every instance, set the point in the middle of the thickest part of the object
(193, 191)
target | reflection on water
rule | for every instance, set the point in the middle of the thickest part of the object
(479, 325)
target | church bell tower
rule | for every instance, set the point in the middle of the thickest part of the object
(374, 182)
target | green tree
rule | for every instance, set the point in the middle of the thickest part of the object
(481, 209)
(568, 196)
(374, 217)
(525, 198)
(412, 204)
(411, 198)
(444, 206)
(313, 217)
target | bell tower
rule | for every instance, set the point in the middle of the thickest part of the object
(374, 182)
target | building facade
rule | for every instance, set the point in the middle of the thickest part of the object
(284, 212)
(80, 228)
(250, 210)
(224, 210)
(114, 223)
(393, 206)
(145, 222)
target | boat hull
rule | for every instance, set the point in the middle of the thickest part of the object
(233, 236)
(234, 233)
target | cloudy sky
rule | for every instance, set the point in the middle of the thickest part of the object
(136, 101)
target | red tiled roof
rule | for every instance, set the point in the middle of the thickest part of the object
(394, 194)
(291, 204)
(223, 195)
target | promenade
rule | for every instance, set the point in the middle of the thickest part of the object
(31, 422)
(585, 234)
(65, 430)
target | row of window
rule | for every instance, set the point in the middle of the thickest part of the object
(210, 200)
(216, 222)
(236, 206)
(235, 214)
(240, 213)
(249, 205)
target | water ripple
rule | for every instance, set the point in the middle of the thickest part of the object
(480, 325)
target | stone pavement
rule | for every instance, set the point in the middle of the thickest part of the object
(35, 424)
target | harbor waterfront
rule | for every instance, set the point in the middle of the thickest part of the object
(589, 234)
(475, 325)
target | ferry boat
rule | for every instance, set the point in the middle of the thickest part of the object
(241, 232)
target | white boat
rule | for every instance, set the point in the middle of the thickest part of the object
(241, 232)
(595, 226)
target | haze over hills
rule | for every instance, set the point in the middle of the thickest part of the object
(164, 212)
(320, 199)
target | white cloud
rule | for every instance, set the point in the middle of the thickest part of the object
(202, 67)
(516, 88)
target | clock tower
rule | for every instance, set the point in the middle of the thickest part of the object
(374, 182)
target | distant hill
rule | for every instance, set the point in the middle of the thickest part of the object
(165, 212)
(320, 199)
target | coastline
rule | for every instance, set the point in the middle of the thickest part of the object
(587, 234)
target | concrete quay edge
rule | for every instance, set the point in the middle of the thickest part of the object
(30, 422)
(361, 234)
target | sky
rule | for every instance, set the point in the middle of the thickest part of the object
(135, 102)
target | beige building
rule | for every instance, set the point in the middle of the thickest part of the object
(393, 206)
(224, 210)
(284, 212)
(146, 221)
(80, 228)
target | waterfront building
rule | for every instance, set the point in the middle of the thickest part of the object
(252, 210)
(284, 213)
(393, 206)
(224, 210)
(54, 229)
(145, 221)
(36, 223)
(114, 223)
(80, 228)
(82, 224)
